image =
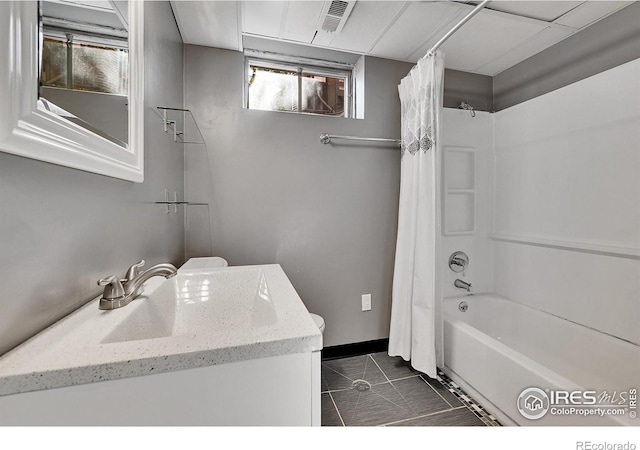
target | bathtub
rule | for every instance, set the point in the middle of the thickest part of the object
(497, 348)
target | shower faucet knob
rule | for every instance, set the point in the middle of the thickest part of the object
(458, 262)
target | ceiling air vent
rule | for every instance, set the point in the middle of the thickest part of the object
(334, 15)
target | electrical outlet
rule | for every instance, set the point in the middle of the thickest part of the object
(366, 302)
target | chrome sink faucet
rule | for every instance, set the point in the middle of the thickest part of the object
(118, 293)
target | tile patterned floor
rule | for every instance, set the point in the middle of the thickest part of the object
(381, 390)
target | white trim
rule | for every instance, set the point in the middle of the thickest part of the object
(28, 131)
(586, 247)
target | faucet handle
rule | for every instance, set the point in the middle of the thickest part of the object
(458, 262)
(112, 288)
(134, 270)
(461, 265)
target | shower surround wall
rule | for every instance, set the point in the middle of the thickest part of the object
(62, 229)
(461, 131)
(567, 197)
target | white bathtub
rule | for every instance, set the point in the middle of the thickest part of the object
(498, 348)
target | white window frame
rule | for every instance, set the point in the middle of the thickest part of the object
(302, 65)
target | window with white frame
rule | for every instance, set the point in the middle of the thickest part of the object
(305, 86)
(72, 64)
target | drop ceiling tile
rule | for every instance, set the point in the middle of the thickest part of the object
(490, 43)
(301, 20)
(487, 36)
(213, 24)
(365, 25)
(263, 18)
(590, 12)
(415, 25)
(547, 11)
(539, 42)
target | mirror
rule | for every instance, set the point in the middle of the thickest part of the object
(83, 54)
(67, 126)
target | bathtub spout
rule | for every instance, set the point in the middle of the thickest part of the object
(462, 285)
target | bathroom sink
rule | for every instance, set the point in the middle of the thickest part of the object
(173, 356)
(202, 317)
(192, 304)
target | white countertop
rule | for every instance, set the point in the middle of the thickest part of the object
(216, 323)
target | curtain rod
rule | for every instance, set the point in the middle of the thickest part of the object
(326, 139)
(466, 18)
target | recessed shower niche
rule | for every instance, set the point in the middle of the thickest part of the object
(459, 191)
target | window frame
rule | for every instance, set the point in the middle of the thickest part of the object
(302, 66)
(99, 37)
(95, 43)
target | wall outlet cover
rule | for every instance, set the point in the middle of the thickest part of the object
(366, 302)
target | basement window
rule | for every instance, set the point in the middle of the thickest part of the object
(307, 87)
(72, 64)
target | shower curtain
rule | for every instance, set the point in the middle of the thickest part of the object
(412, 335)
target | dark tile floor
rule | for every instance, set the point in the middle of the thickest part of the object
(378, 389)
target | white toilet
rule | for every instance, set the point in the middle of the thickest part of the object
(203, 264)
(319, 321)
(213, 262)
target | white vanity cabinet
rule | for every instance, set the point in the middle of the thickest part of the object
(278, 390)
(225, 346)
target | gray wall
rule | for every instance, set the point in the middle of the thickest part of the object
(608, 43)
(106, 112)
(62, 229)
(327, 214)
(475, 89)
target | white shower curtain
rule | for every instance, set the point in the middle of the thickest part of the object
(412, 334)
